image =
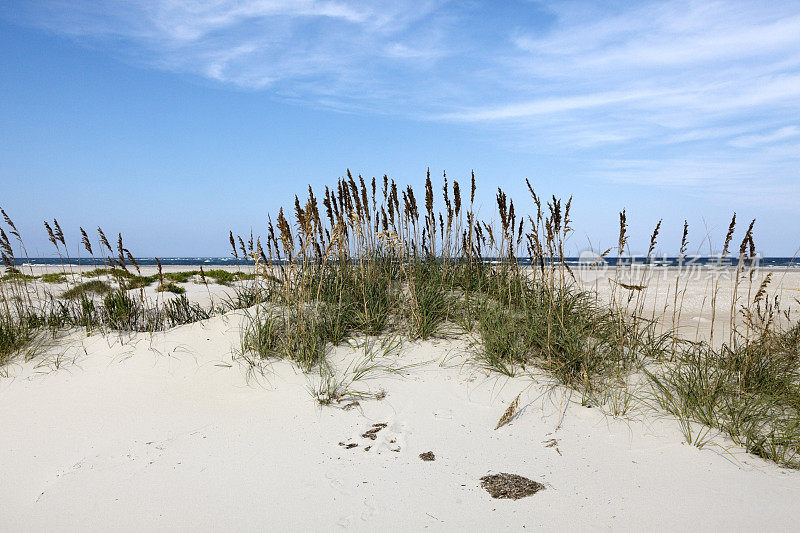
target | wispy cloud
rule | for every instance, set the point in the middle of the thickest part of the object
(546, 106)
(749, 141)
(259, 44)
(682, 85)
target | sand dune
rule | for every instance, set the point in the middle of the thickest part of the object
(171, 431)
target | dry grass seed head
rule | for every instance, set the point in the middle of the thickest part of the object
(85, 241)
(729, 236)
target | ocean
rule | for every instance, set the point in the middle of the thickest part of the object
(583, 260)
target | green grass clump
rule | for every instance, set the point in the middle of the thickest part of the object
(749, 391)
(53, 278)
(287, 335)
(577, 342)
(16, 335)
(181, 277)
(97, 272)
(14, 274)
(87, 316)
(247, 295)
(225, 277)
(428, 304)
(262, 334)
(504, 343)
(138, 282)
(114, 272)
(180, 310)
(559, 329)
(30, 312)
(125, 277)
(121, 311)
(357, 297)
(171, 287)
(94, 287)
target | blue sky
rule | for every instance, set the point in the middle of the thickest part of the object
(173, 121)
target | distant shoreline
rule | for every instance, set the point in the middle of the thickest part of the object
(592, 271)
(638, 261)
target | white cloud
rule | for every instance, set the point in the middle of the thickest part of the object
(735, 180)
(644, 79)
(250, 43)
(550, 106)
(749, 141)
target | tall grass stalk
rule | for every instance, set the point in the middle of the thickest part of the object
(363, 258)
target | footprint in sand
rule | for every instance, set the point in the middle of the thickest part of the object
(443, 414)
(379, 437)
(337, 484)
(369, 511)
(345, 522)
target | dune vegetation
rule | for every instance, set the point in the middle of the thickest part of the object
(367, 258)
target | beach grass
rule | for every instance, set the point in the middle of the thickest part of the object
(171, 287)
(367, 258)
(93, 287)
(53, 277)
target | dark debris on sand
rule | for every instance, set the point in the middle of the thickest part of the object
(427, 456)
(372, 434)
(510, 486)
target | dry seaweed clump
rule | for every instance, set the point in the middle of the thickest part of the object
(510, 486)
(427, 456)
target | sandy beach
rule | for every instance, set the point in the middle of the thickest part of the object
(174, 430)
(399, 265)
(694, 289)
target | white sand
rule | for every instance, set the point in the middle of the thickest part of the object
(695, 287)
(169, 432)
(694, 296)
